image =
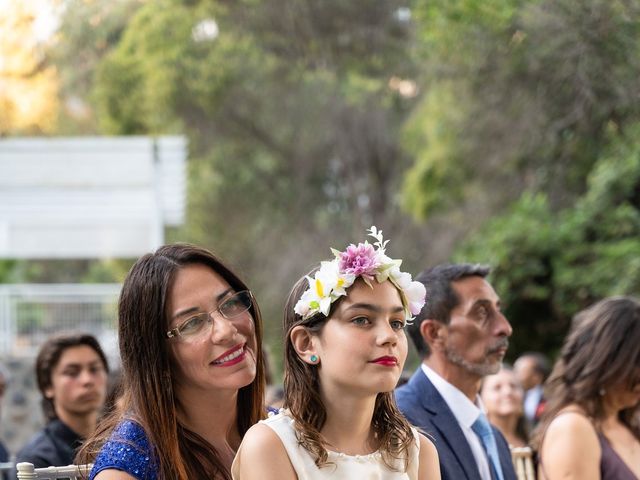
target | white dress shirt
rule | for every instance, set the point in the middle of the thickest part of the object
(532, 399)
(466, 413)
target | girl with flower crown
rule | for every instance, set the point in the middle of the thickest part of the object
(345, 348)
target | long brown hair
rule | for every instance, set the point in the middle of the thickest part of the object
(601, 351)
(302, 395)
(149, 396)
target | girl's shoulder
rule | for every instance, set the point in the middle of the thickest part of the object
(282, 423)
(262, 453)
(428, 460)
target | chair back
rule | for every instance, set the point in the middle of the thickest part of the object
(522, 458)
(26, 471)
(5, 469)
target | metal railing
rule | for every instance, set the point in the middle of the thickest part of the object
(30, 313)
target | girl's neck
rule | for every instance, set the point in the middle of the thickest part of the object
(348, 425)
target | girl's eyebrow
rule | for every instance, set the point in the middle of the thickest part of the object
(372, 307)
(186, 311)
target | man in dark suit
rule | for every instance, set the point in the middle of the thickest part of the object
(462, 336)
(532, 369)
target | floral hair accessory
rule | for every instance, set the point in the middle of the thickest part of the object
(367, 261)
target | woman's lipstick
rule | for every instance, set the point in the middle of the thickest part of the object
(386, 361)
(231, 356)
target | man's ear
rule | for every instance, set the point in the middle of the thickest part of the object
(304, 344)
(48, 392)
(433, 333)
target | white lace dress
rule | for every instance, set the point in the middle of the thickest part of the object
(341, 466)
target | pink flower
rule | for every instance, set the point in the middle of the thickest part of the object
(360, 260)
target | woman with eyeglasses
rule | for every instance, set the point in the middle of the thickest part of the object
(589, 429)
(190, 337)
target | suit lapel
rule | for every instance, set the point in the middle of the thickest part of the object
(447, 424)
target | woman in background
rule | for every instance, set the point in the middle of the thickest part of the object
(589, 429)
(502, 397)
(192, 371)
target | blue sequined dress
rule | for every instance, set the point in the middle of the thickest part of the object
(128, 450)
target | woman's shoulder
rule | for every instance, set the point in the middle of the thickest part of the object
(129, 450)
(570, 446)
(129, 429)
(571, 420)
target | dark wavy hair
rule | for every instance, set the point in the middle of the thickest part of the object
(302, 394)
(147, 377)
(601, 351)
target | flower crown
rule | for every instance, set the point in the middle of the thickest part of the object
(367, 261)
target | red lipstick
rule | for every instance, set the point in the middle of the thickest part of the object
(231, 357)
(386, 361)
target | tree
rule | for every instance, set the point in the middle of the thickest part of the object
(88, 31)
(28, 84)
(525, 91)
(550, 264)
(293, 111)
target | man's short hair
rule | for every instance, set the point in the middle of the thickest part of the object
(441, 297)
(49, 356)
(541, 363)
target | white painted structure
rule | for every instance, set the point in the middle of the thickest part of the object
(89, 197)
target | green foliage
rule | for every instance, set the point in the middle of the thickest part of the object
(432, 135)
(7, 268)
(548, 265)
(88, 32)
(301, 135)
(540, 82)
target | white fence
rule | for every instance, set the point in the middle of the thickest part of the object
(30, 313)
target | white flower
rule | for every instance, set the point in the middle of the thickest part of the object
(330, 283)
(416, 294)
(324, 288)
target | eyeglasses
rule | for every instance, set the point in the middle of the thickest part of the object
(231, 307)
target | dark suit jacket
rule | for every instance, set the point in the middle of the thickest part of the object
(425, 408)
(54, 445)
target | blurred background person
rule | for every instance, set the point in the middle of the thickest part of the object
(71, 371)
(4, 453)
(502, 397)
(589, 429)
(532, 369)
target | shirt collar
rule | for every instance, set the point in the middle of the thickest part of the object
(465, 411)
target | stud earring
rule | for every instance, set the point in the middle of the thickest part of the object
(313, 358)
